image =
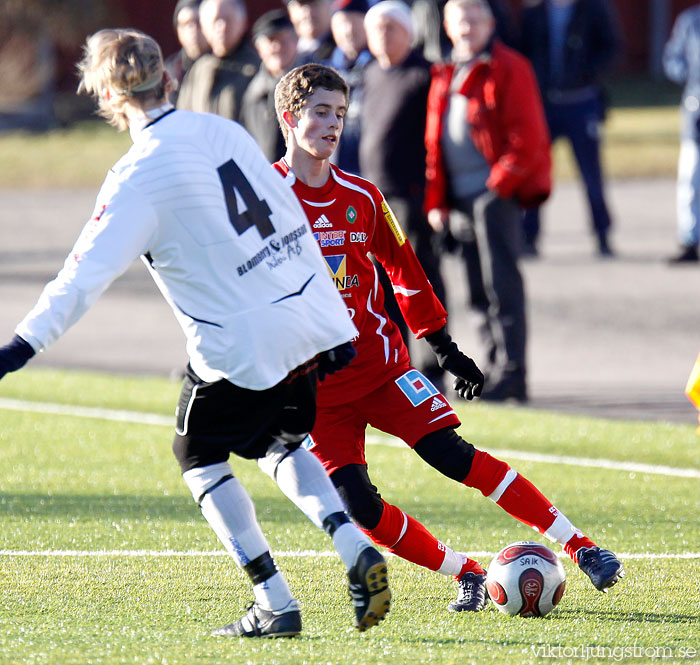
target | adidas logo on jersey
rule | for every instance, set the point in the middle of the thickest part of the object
(437, 404)
(322, 223)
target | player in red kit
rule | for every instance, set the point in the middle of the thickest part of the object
(350, 220)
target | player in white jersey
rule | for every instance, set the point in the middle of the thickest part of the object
(230, 249)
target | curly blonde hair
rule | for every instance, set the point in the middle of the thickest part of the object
(128, 64)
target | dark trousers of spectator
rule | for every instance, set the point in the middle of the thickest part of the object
(579, 122)
(409, 213)
(495, 283)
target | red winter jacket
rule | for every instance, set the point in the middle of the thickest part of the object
(507, 123)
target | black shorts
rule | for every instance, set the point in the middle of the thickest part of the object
(216, 419)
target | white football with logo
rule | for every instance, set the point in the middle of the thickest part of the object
(526, 579)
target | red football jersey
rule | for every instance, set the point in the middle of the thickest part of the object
(350, 219)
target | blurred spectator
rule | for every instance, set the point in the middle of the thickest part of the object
(682, 64)
(430, 31)
(216, 82)
(392, 150)
(571, 44)
(350, 58)
(276, 44)
(27, 71)
(312, 22)
(488, 153)
(192, 41)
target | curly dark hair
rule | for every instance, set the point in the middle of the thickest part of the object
(296, 86)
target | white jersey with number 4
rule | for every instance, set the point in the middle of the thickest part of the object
(227, 243)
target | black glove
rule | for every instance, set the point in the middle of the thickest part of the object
(14, 355)
(470, 380)
(335, 359)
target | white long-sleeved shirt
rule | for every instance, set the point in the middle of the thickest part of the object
(225, 240)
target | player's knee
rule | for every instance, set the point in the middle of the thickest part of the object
(205, 479)
(361, 498)
(447, 452)
(277, 451)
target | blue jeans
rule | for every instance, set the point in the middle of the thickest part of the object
(578, 122)
(688, 193)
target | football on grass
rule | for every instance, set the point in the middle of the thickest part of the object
(526, 579)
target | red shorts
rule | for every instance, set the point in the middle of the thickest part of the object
(407, 406)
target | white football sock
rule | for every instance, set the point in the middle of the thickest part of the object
(304, 481)
(452, 563)
(274, 594)
(349, 541)
(562, 530)
(231, 513)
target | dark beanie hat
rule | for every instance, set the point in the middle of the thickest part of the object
(361, 6)
(271, 22)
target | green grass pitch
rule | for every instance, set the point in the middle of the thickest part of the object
(104, 557)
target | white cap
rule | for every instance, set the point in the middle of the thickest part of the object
(395, 9)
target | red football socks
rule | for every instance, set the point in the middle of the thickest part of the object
(406, 537)
(522, 500)
(471, 566)
(575, 544)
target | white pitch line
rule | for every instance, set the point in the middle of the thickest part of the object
(373, 439)
(146, 553)
(291, 553)
(136, 417)
(597, 463)
(525, 455)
